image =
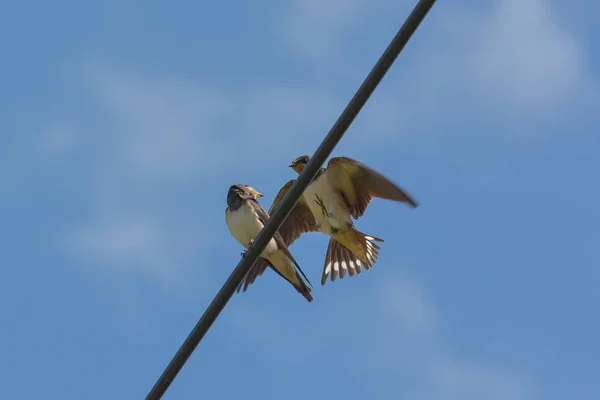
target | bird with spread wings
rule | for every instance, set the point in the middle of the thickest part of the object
(337, 194)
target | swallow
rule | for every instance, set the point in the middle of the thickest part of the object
(337, 194)
(342, 190)
(245, 218)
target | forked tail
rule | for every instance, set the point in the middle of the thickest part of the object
(349, 252)
(285, 266)
(300, 286)
(304, 290)
(261, 265)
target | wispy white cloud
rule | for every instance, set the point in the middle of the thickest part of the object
(147, 142)
(57, 140)
(453, 378)
(524, 56)
(131, 243)
(398, 332)
(314, 28)
(162, 128)
(513, 57)
(140, 144)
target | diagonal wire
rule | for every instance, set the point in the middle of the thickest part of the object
(291, 198)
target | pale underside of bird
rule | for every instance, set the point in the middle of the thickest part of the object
(245, 218)
(337, 194)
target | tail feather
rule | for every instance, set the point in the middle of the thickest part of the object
(302, 288)
(255, 271)
(349, 253)
(306, 294)
(259, 268)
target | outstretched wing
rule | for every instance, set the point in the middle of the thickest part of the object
(299, 221)
(359, 184)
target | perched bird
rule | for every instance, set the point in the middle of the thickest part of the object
(342, 190)
(245, 218)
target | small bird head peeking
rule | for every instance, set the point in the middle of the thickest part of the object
(238, 193)
(299, 163)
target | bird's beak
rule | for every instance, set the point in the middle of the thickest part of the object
(292, 165)
(254, 192)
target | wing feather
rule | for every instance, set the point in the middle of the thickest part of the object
(263, 216)
(256, 270)
(299, 221)
(359, 184)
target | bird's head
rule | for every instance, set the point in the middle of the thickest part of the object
(239, 191)
(299, 163)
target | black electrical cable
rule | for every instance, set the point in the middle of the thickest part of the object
(291, 198)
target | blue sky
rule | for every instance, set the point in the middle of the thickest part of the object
(122, 127)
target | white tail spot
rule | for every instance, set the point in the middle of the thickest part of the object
(351, 264)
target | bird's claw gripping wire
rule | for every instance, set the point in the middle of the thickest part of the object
(245, 251)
